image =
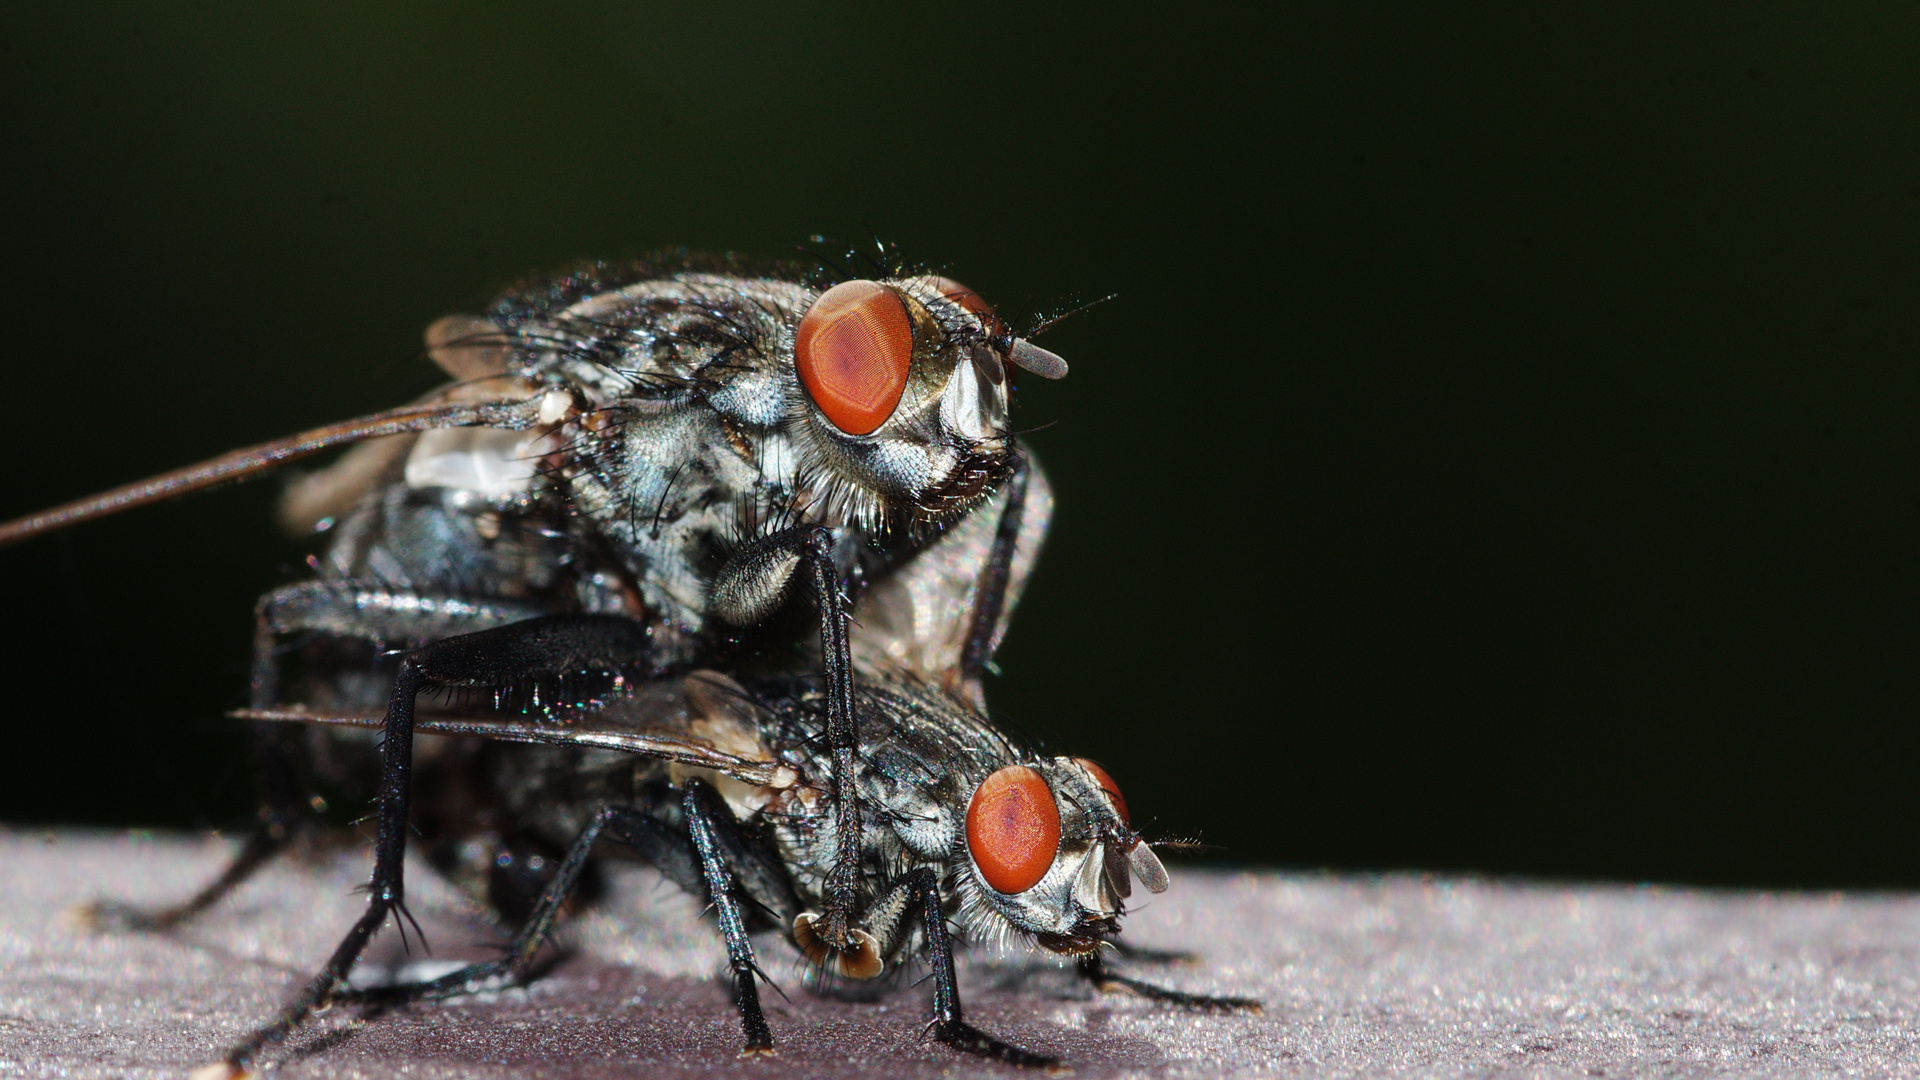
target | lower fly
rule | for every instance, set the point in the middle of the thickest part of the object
(725, 788)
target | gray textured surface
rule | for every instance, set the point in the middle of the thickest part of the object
(1399, 975)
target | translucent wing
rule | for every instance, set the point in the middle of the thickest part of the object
(446, 410)
(705, 721)
(912, 624)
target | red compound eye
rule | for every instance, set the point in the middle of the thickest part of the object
(969, 300)
(1013, 829)
(1107, 785)
(854, 348)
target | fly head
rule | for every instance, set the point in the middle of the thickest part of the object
(902, 393)
(1051, 853)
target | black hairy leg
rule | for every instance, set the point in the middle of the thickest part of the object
(285, 810)
(496, 659)
(753, 583)
(1093, 968)
(516, 964)
(705, 810)
(990, 597)
(286, 798)
(949, 1026)
(258, 849)
(283, 817)
(698, 858)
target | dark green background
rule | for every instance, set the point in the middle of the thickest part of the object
(1501, 454)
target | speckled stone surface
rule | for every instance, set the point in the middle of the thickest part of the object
(1362, 976)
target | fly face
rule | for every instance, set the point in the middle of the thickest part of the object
(905, 393)
(1052, 854)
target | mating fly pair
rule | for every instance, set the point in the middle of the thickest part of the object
(632, 472)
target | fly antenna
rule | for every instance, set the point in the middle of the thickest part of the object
(1027, 356)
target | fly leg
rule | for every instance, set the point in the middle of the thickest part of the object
(497, 659)
(1093, 968)
(748, 589)
(285, 812)
(890, 914)
(996, 580)
(704, 811)
(708, 857)
(515, 967)
(282, 817)
(948, 1025)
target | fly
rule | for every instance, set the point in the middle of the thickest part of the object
(632, 472)
(644, 462)
(680, 443)
(727, 789)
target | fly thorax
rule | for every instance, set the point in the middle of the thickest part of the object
(661, 486)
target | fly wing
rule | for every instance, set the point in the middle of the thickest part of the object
(473, 350)
(913, 623)
(496, 403)
(692, 722)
